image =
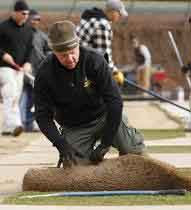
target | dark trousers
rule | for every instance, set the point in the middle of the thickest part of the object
(84, 138)
(26, 104)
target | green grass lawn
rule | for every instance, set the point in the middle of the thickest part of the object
(103, 200)
(154, 134)
(163, 149)
(165, 134)
(169, 149)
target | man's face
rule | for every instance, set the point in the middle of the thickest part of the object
(70, 58)
(21, 16)
(35, 22)
(116, 16)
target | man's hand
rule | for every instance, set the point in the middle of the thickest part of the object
(66, 153)
(9, 59)
(99, 153)
(118, 77)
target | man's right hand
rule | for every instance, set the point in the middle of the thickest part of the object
(9, 59)
(67, 153)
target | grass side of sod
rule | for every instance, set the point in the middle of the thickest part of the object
(163, 149)
(169, 149)
(105, 200)
(155, 134)
(102, 200)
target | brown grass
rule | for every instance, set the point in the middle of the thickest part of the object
(129, 172)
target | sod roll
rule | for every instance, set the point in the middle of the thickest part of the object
(128, 172)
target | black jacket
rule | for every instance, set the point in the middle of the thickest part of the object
(76, 97)
(15, 40)
(40, 49)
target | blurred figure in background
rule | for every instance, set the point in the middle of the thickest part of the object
(95, 29)
(142, 63)
(40, 41)
(15, 50)
(39, 52)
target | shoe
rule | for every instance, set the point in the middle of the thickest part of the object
(6, 133)
(17, 131)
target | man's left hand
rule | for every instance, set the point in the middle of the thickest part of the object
(118, 77)
(99, 153)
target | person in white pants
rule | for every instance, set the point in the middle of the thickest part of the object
(11, 87)
(15, 49)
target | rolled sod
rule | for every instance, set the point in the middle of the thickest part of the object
(128, 172)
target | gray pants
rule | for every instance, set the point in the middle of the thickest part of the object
(84, 138)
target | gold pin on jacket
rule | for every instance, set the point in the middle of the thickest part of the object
(87, 83)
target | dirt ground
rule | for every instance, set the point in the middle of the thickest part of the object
(137, 113)
(11, 145)
(145, 115)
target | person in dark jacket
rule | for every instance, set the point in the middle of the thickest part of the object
(39, 52)
(77, 102)
(15, 49)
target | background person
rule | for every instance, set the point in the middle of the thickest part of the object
(74, 87)
(142, 63)
(95, 29)
(15, 49)
(39, 52)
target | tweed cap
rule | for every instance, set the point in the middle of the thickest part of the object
(62, 36)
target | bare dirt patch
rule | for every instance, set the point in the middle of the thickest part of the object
(11, 145)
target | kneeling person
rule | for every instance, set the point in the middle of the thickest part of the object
(74, 87)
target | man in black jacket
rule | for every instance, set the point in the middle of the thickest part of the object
(15, 49)
(74, 87)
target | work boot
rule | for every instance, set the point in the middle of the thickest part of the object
(17, 131)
